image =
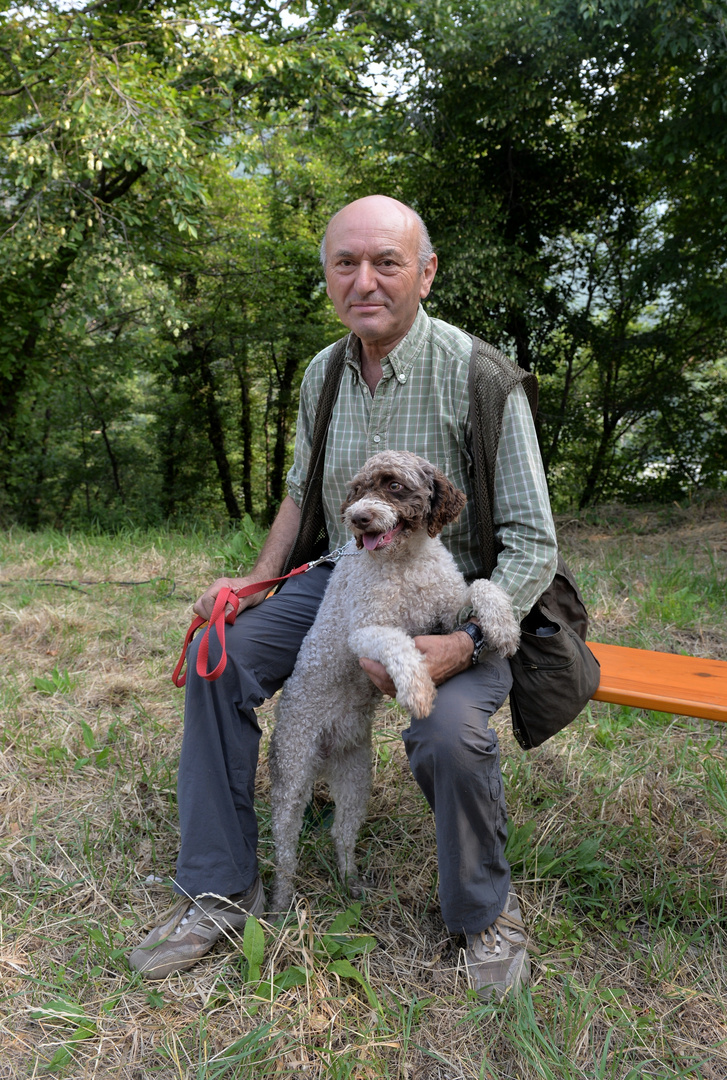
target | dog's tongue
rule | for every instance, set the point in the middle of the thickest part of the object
(371, 541)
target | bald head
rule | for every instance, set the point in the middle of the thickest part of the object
(385, 207)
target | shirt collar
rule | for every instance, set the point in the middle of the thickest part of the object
(402, 358)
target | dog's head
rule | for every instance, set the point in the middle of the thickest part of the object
(396, 493)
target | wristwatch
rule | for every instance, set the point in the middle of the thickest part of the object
(478, 639)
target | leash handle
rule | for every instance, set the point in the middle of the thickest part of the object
(217, 620)
(179, 678)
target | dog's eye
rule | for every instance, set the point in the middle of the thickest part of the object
(394, 486)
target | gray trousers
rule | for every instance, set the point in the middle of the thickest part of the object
(453, 755)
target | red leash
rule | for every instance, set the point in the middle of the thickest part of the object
(217, 620)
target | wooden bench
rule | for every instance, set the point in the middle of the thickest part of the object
(666, 682)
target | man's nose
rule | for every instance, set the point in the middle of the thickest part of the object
(366, 280)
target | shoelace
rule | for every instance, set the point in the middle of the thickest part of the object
(185, 919)
(498, 932)
(208, 917)
(499, 929)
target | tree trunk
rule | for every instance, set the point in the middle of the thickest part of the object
(34, 501)
(282, 425)
(590, 491)
(216, 433)
(109, 449)
(168, 440)
(243, 378)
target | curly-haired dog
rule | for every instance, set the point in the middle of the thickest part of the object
(401, 582)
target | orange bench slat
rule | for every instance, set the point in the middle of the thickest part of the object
(667, 682)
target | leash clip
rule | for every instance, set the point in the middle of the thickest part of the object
(333, 556)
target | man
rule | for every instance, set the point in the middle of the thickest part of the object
(404, 388)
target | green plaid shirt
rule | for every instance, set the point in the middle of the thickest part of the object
(421, 404)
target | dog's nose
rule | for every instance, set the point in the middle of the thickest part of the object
(361, 517)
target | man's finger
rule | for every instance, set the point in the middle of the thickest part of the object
(379, 676)
(206, 602)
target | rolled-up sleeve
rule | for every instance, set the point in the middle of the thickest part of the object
(522, 515)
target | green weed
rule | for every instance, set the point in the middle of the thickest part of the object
(58, 682)
(241, 547)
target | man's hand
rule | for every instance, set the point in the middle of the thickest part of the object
(445, 655)
(206, 601)
(269, 565)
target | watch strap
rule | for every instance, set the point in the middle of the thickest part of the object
(478, 638)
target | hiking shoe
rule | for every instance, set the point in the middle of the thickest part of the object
(189, 930)
(497, 959)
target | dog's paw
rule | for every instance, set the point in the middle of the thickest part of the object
(494, 610)
(355, 887)
(281, 898)
(417, 695)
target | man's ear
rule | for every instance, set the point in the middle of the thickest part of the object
(428, 277)
(447, 504)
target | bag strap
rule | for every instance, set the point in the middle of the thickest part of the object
(312, 536)
(491, 379)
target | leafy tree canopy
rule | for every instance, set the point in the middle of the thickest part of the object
(111, 114)
(569, 157)
(166, 172)
(121, 125)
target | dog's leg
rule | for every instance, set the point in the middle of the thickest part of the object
(415, 690)
(294, 766)
(349, 782)
(494, 610)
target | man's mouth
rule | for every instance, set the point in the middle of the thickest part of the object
(372, 541)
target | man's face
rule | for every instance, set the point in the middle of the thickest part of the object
(371, 270)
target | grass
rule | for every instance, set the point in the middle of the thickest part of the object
(618, 842)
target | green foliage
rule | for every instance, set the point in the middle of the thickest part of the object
(166, 174)
(330, 951)
(253, 947)
(58, 682)
(165, 179)
(241, 547)
(70, 1014)
(580, 867)
(549, 1037)
(255, 1049)
(568, 159)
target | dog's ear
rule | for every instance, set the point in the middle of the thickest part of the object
(447, 504)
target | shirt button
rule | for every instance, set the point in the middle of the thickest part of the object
(401, 378)
(377, 438)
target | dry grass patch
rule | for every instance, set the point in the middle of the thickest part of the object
(618, 843)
